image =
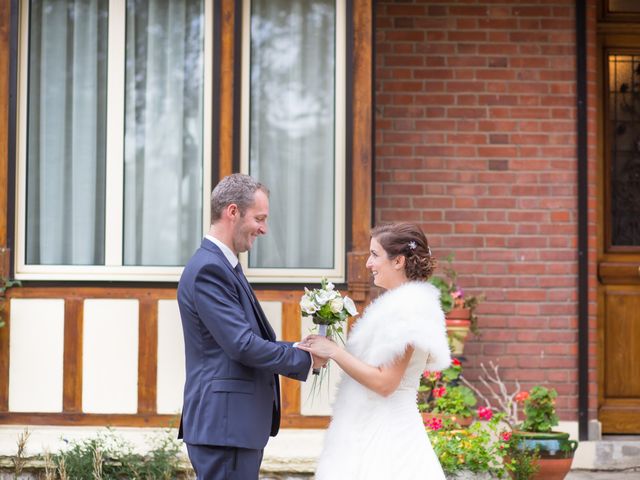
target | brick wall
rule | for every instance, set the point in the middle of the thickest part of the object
(476, 141)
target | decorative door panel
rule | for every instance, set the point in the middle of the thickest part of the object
(619, 240)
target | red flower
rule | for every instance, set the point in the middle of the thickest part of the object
(432, 376)
(522, 396)
(505, 436)
(439, 392)
(434, 424)
(485, 413)
(456, 362)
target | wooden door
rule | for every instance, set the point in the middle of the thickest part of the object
(619, 236)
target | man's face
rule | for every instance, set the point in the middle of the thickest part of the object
(252, 224)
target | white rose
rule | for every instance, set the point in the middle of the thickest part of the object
(336, 305)
(324, 296)
(350, 306)
(307, 306)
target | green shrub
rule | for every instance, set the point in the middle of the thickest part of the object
(108, 457)
(478, 449)
(457, 401)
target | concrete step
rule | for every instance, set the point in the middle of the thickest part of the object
(293, 453)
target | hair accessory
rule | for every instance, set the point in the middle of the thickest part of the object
(412, 245)
(429, 250)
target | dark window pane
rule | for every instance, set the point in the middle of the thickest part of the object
(624, 142)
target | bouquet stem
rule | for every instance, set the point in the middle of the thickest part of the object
(322, 331)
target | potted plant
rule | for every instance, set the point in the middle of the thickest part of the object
(441, 396)
(459, 308)
(536, 451)
(535, 434)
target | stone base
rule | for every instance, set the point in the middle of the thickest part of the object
(293, 453)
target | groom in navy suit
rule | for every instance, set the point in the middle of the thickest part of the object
(232, 390)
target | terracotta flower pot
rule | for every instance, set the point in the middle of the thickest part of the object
(458, 322)
(555, 451)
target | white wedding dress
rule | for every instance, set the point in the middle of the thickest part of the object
(372, 437)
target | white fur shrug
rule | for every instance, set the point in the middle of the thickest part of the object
(407, 315)
(375, 437)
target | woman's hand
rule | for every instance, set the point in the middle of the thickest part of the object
(319, 346)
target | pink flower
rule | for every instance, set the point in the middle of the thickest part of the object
(458, 293)
(522, 396)
(485, 413)
(439, 392)
(432, 376)
(505, 436)
(434, 424)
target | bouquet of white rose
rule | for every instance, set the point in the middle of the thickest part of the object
(328, 309)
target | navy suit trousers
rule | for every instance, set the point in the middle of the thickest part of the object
(224, 463)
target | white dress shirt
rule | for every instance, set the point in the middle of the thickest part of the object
(233, 259)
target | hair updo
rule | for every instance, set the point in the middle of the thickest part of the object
(409, 240)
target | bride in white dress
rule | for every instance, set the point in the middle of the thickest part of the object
(376, 432)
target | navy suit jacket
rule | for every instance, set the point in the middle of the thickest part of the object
(231, 394)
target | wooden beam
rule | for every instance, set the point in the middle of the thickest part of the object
(88, 419)
(148, 356)
(5, 56)
(227, 83)
(362, 150)
(72, 376)
(361, 188)
(62, 291)
(291, 333)
(4, 358)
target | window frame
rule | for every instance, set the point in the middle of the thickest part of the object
(113, 268)
(336, 274)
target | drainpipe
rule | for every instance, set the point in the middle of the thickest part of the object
(583, 238)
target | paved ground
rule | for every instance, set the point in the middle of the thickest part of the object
(586, 475)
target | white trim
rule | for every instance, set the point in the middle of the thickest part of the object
(113, 270)
(287, 275)
(21, 133)
(99, 273)
(114, 188)
(245, 90)
(207, 123)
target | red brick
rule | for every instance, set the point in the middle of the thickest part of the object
(517, 203)
(405, 36)
(498, 23)
(520, 11)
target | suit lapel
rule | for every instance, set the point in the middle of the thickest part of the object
(261, 318)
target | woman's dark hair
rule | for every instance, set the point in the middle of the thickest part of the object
(409, 240)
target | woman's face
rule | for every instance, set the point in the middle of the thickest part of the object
(387, 273)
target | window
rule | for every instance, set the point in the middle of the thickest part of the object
(622, 127)
(293, 124)
(114, 122)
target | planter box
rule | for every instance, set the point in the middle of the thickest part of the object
(458, 322)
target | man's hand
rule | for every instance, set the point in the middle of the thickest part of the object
(319, 362)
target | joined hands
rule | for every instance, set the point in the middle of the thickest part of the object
(321, 348)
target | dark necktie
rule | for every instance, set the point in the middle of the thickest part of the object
(245, 282)
(276, 385)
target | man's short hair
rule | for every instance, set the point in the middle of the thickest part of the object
(237, 188)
